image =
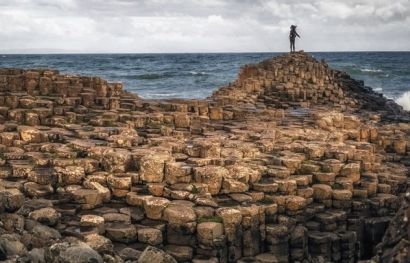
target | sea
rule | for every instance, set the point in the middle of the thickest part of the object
(164, 76)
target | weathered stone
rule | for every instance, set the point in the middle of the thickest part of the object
(12, 199)
(322, 192)
(150, 236)
(88, 198)
(154, 207)
(153, 254)
(152, 167)
(179, 214)
(294, 203)
(99, 243)
(78, 252)
(93, 221)
(180, 253)
(212, 176)
(208, 232)
(70, 174)
(120, 232)
(177, 172)
(48, 216)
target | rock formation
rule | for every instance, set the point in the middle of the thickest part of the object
(292, 162)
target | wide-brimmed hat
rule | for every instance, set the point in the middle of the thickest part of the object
(293, 26)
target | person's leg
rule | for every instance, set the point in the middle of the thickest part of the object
(292, 45)
(290, 40)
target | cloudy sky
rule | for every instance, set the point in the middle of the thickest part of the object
(38, 26)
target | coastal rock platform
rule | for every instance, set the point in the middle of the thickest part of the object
(292, 162)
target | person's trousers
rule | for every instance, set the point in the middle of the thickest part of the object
(292, 45)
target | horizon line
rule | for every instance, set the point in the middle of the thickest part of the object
(200, 52)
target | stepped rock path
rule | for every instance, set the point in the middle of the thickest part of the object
(292, 162)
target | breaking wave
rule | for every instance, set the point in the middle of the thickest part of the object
(404, 101)
(372, 70)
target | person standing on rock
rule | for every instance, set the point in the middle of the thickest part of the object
(292, 36)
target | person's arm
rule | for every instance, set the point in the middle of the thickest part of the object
(297, 34)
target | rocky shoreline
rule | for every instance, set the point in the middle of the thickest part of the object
(292, 162)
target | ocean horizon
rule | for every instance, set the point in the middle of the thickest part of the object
(197, 75)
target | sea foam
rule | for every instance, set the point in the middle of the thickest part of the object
(404, 100)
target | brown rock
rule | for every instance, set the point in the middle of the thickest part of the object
(154, 207)
(150, 236)
(212, 176)
(322, 192)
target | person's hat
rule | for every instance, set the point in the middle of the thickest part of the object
(293, 26)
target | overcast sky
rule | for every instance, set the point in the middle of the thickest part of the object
(38, 26)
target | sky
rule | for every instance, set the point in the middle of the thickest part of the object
(167, 26)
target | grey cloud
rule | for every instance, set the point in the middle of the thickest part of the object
(196, 25)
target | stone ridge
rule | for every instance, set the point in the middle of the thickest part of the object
(298, 79)
(277, 167)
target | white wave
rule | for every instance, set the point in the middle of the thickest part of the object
(404, 100)
(370, 70)
(198, 73)
(377, 89)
